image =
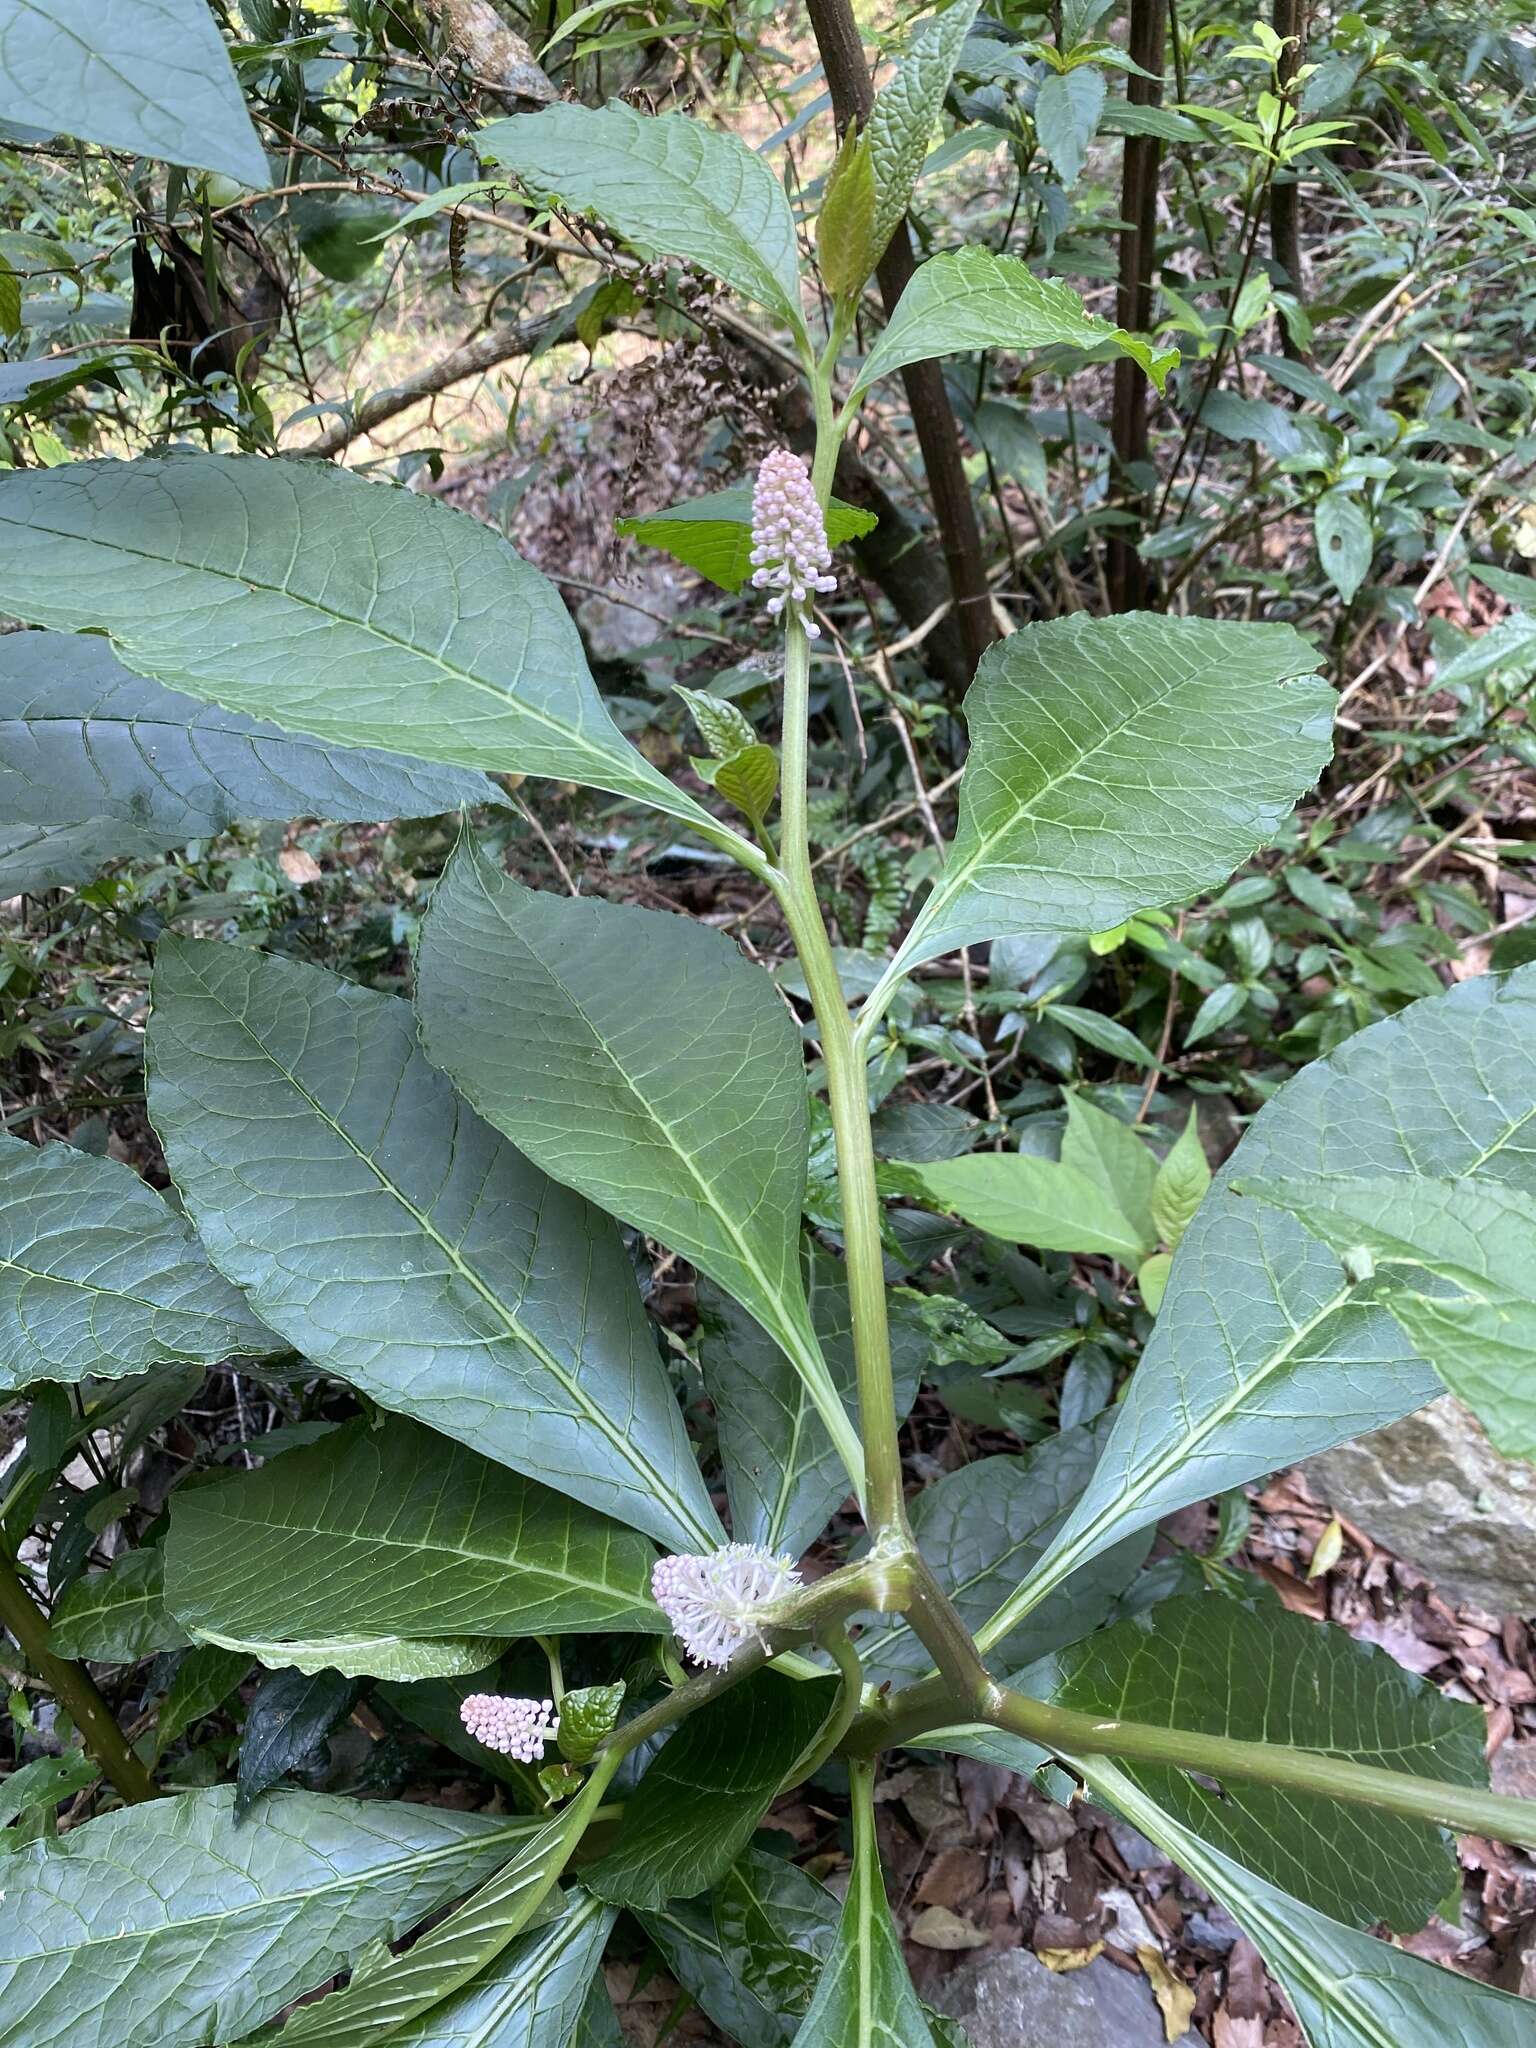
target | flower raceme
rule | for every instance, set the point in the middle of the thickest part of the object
(512, 1727)
(719, 1601)
(790, 554)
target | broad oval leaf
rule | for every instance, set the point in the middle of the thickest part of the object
(532, 1996)
(395, 1529)
(968, 299)
(1117, 765)
(148, 76)
(287, 1725)
(366, 615)
(776, 1925)
(169, 1926)
(1263, 1351)
(713, 534)
(119, 1615)
(1024, 1199)
(83, 737)
(901, 122)
(639, 1059)
(670, 185)
(403, 1245)
(100, 1278)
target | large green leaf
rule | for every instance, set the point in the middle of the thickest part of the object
(695, 1809)
(169, 1926)
(38, 857)
(99, 1278)
(638, 1058)
(865, 1998)
(359, 1655)
(397, 1530)
(713, 534)
(1348, 1989)
(151, 77)
(783, 1476)
(901, 122)
(670, 185)
(1252, 1671)
(1025, 1199)
(400, 1243)
(365, 615)
(968, 299)
(531, 1996)
(710, 1973)
(1263, 1352)
(83, 737)
(776, 1925)
(399, 1990)
(982, 1527)
(1477, 1237)
(120, 1615)
(1118, 764)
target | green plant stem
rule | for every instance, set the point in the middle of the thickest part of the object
(850, 1695)
(72, 1687)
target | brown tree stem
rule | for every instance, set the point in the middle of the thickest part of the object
(842, 55)
(1284, 210)
(1127, 572)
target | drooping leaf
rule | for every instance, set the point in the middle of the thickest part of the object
(100, 1278)
(906, 108)
(409, 1989)
(119, 1615)
(364, 615)
(968, 299)
(1109, 1152)
(981, 1529)
(169, 1926)
(1067, 110)
(783, 1476)
(38, 857)
(865, 1995)
(671, 186)
(639, 1059)
(1024, 1199)
(291, 1715)
(713, 534)
(532, 1996)
(399, 1658)
(1223, 1666)
(151, 77)
(1264, 1353)
(1345, 541)
(1117, 765)
(83, 737)
(1349, 1990)
(694, 1811)
(398, 1530)
(1456, 1265)
(400, 1243)
(776, 1925)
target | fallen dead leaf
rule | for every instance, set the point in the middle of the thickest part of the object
(1174, 1997)
(300, 867)
(1063, 1959)
(937, 1927)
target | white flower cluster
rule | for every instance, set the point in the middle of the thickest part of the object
(517, 1728)
(789, 538)
(715, 1603)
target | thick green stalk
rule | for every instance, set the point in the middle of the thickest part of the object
(72, 1688)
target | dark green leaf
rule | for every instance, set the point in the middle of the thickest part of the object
(776, 1926)
(118, 1616)
(533, 1995)
(400, 1243)
(204, 1680)
(588, 1714)
(291, 1715)
(46, 1782)
(38, 857)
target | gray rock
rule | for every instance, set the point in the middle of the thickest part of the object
(1010, 2000)
(1432, 1488)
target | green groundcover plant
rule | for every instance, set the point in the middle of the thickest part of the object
(423, 1201)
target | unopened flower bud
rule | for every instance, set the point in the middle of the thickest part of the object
(512, 1727)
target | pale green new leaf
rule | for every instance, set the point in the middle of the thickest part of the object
(1264, 1353)
(365, 615)
(119, 1615)
(1120, 764)
(1110, 1152)
(1067, 109)
(394, 1529)
(1349, 1990)
(968, 299)
(1024, 1199)
(400, 1243)
(83, 737)
(169, 1926)
(671, 186)
(901, 122)
(1478, 1238)
(532, 1996)
(865, 1998)
(399, 1658)
(405, 1989)
(100, 1278)
(150, 77)
(639, 1059)
(713, 534)
(1182, 1182)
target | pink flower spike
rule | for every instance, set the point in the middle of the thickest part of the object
(790, 555)
(512, 1727)
(716, 1602)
